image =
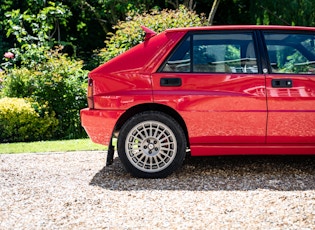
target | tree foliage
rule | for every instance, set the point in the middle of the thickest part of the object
(34, 33)
(82, 25)
(129, 33)
(53, 43)
(295, 12)
(39, 70)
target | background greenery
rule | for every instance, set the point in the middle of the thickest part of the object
(81, 26)
(56, 43)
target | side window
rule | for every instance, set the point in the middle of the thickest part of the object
(214, 53)
(180, 59)
(291, 53)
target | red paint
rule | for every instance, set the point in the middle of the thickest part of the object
(217, 108)
(291, 112)
(223, 113)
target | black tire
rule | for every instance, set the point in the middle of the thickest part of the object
(151, 145)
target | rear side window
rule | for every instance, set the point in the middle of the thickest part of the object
(291, 53)
(214, 53)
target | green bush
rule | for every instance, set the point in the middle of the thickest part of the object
(43, 73)
(1, 81)
(59, 82)
(17, 82)
(129, 33)
(20, 121)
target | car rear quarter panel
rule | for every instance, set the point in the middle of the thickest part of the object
(124, 82)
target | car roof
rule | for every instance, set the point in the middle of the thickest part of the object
(242, 27)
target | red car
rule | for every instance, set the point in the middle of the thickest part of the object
(219, 90)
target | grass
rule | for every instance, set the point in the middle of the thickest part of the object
(51, 146)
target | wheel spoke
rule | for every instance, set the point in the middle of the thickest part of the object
(136, 152)
(160, 160)
(165, 139)
(146, 129)
(160, 135)
(139, 136)
(156, 129)
(166, 149)
(151, 146)
(146, 161)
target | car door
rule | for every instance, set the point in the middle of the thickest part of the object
(291, 87)
(213, 80)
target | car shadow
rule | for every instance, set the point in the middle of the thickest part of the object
(231, 173)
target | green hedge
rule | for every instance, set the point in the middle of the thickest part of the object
(21, 120)
(59, 82)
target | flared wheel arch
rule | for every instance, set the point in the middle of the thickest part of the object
(154, 108)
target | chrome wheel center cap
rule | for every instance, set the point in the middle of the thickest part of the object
(151, 146)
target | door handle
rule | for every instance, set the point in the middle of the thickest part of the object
(281, 83)
(170, 82)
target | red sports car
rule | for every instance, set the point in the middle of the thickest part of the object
(207, 91)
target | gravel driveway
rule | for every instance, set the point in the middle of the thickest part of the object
(75, 191)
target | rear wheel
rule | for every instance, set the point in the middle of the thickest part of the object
(151, 145)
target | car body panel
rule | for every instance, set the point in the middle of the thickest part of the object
(291, 87)
(99, 124)
(123, 82)
(224, 113)
(267, 149)
(217, 108)
(291, 111)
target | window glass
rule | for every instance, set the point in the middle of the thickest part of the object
(291, 53)
(214, 53)
(224, 53)
(180, 60)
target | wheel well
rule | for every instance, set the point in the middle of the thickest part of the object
(152, 107)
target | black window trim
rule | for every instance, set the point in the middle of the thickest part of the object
(159, 70)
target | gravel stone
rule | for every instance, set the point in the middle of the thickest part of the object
(75, 190)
